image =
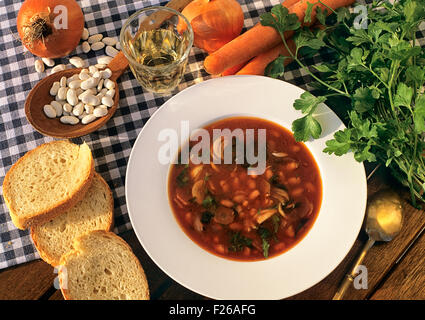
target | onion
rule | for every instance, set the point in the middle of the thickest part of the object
(214, 22)
(50, 28)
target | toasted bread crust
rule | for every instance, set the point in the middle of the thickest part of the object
(78, 250)
(44, 254)
(49, 213)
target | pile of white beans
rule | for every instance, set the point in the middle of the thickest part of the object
(97, 42)
(82, 97)
(93, 42)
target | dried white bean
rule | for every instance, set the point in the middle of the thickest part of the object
(58, 107)
(95, 38)
(85, 34)
(62, 93)
(54, 89)
(66, 113)
(100, 95)
(67, 108)
(100, 111)
(88, 91)
(97, 74)
(71, 97)
(39, 66)
(90, 83)
(111, 51)
(107, 101)
(104, 60)
(100, 85)
(88, 108)
(69, 120)
(93, 70)
(75, 84)
(107, 73)
(83, 76)
(109, 41)
(109, 84)
(78, 91)
(110, 93)
(62, 82)
(72, 78)
(118, 46)
(49, 111)
(77, 62)
(85, 46)
(81, 116)
(97, 46)
(91, 100)
(100, 66)
(48, 62)
(57, 68)
(78, 109)
(88, 118)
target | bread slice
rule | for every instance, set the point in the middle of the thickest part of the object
(46, 181)
(102, 266)
(94, 212)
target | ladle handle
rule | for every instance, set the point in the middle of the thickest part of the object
(349, 277)
(118, 65)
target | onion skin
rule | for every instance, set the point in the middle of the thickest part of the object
(59, 43)
(214, 22)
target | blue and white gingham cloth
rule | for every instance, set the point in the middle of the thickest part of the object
(111, 144)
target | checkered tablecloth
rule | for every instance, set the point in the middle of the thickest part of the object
(111, 144)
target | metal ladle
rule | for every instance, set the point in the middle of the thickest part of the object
(384, 218)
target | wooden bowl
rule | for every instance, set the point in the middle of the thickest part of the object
(40, 96)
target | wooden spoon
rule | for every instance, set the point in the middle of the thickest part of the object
(40, 96)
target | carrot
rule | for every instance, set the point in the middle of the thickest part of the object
(258, 65)
(260, 38)
(232, 70)
(236, 68)
(230, 54)
(289, 3)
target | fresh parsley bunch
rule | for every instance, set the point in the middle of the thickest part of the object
(377, 72)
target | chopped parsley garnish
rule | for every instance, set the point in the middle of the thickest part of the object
(265, 235)
(276, 223)
(182, 179)
(206, 217)
(209, 202)
(239, 241)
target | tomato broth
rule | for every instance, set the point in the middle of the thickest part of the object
(247, 217)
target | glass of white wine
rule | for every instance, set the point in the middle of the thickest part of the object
(156, 41)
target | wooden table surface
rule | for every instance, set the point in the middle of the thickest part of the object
(396, 270)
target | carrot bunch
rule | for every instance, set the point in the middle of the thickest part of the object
(252, 51)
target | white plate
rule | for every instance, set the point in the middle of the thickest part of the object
(319, 253)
